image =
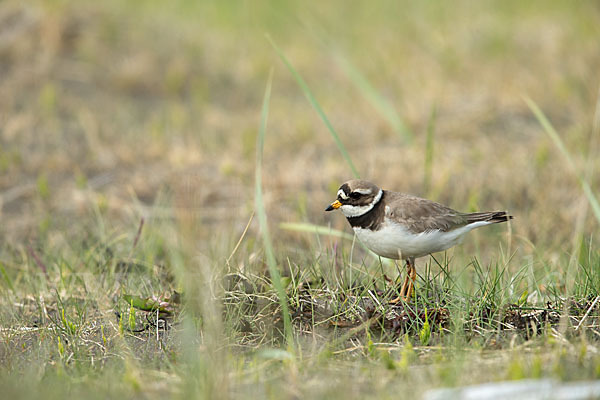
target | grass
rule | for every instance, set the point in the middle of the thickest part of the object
(159, 239)
(313, 102)
(585, 186)
(262, 218)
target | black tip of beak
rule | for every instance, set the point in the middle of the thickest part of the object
(330, 208)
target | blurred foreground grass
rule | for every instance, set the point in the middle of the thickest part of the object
(127, 160)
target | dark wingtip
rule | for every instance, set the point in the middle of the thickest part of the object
(501, 216)
(493, 216)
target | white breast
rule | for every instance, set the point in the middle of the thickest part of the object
(394, 241)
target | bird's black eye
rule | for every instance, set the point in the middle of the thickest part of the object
(354, 195)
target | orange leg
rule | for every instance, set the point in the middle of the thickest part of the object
(401, 295)
(412, 275)
(409, 282)
(404, 287)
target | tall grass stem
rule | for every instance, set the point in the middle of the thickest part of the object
(429, 151)
(315, 104)
(549, 129)
(262, 216)
(384, 107)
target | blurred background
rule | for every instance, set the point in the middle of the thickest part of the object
(112, 111)
(128, 146)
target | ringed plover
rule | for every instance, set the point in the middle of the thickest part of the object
(401, 226)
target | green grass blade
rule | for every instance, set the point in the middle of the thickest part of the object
(429, 151)
(6, 278)
(262, 216)
(549, 129)
(313, 102)
(323, 230)
(311, 228)
(380, 103)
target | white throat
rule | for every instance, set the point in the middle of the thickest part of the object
(356, 211)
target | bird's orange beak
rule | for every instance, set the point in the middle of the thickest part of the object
(334, 206)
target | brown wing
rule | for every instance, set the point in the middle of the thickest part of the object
(421, 215)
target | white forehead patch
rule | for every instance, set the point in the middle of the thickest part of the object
(356, 211)
(363, 191)
(342, 194)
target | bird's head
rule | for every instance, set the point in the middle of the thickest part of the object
(356, 197)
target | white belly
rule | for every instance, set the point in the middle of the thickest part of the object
(394, 241)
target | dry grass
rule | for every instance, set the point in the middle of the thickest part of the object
(111, 113)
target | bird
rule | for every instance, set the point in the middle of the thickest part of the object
(402, 226)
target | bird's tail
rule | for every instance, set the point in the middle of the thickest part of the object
(493, 217)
